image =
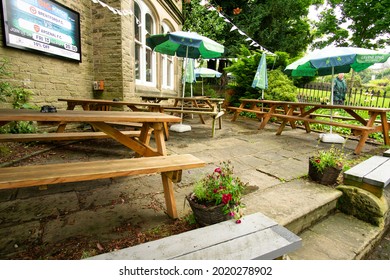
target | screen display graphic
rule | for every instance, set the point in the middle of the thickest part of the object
(42, 25)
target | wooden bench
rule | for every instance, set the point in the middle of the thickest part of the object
(257, 237)
(332, 123)
(372, 175)
(28, 137)
(170, 168)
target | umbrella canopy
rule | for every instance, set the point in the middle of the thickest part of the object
(261, 79)
(333, 60)
(207, 73)
(185, 44)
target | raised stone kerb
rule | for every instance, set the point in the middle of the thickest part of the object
(362, 204)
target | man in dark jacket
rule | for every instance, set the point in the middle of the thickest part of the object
(339, 89)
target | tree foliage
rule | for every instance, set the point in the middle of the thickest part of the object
(359, 23)
(199, 19)
(277, 25)
(244, 69)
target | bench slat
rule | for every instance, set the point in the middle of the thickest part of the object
(257, 237)
(358, 172)
(295, 118)
(60, 136)
(27, 176)
(211, 113)
(380, 176)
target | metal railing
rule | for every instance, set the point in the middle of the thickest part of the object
(320, 93)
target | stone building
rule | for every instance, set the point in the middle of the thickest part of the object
(113, 50)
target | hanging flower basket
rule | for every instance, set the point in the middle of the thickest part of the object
(327, 177)
(207, 214)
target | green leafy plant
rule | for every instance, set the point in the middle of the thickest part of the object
(221, 186)
(19, 97)
(333, 157)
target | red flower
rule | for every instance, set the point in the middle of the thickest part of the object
(218, 170)
(238, 222)
(318, 160)
(226, 198)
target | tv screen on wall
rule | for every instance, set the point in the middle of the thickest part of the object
(42, 26)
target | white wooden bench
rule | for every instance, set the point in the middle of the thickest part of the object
(170, 168)
(372, 175)
(256, 237)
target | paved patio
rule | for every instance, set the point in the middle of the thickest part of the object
(274, 166)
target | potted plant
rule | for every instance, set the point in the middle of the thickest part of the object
(217, 196)
(325, 165)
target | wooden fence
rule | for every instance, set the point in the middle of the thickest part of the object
(354, 97)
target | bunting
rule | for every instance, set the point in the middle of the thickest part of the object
(234, 27)
(115, 10)
(202, 3)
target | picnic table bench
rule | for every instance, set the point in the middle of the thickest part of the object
(170, 168)
(66, 136)
(372, 175)
(257, 237)
(292, 112)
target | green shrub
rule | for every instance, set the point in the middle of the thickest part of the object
(244, 70)
(19, 97)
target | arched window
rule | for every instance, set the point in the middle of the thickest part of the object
(144, 26)
(167, 64)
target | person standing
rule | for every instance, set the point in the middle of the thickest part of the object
(339, 89)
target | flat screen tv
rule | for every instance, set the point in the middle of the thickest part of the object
(42, 26)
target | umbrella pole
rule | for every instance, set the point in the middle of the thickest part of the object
(182, 127)
(332, 138)
(331, 98)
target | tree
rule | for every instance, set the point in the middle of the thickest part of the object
(198, 19)
(277, 25)
(359, 23)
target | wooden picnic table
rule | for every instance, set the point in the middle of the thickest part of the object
(149, 160)
(155, 98)
(101, 120)
(105, 105)
(305, 112)
(197, 105)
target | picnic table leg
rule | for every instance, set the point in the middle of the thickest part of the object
(200, 116)
(306, 124)
(365, 133)
(169, 196)
(238, 111)
(61, 127)
(136, 145)
(385, 129)
(267, 117)
(159, 138)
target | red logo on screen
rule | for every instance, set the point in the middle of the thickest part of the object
(33, 10)
(36, 28)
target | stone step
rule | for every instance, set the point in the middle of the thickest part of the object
(337, 237)
(296, 205)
